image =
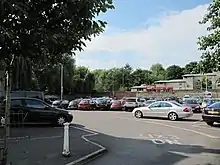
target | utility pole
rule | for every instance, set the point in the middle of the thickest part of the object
(206, 83)
(61, 82)
(4, 150)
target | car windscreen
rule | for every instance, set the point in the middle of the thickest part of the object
(177, 104)
(191, 102)
(215, 105)
(116, 102)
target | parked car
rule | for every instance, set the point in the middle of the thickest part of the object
(73, 105)
(56, 103)
(101, 103)
(166, 109)
(211, 114)
(141, 102)
(87, 104)
(130, 104)
(116, 105)
(148, 102)
(60, 104)
(193, 103)
(186, 97)
(30, 110)
(84, 104)
(29, 94)
(209, 101)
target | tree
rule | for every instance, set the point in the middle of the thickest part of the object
(192, 68)
(209, 44)
(46, 32)
(174, 72)
(140, 76)
(158, 72)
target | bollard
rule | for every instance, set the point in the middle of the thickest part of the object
(66, 149)
(2, 121)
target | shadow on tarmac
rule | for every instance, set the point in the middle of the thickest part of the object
(129, 151)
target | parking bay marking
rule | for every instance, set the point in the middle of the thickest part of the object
(161, 139)
(172, 126)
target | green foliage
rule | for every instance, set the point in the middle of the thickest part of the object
(48, 31)
(209, 44)
(193, 68)
(174, 72)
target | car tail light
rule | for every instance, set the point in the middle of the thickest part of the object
(185, 110)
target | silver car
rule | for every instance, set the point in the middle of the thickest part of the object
(167, 109)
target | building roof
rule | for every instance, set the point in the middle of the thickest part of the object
(171, 81)
(199, 75)
(138, 87)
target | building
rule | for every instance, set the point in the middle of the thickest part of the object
(178, 84)
(188, 82)
(152, 88)
(193, 81)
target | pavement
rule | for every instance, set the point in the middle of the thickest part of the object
(40, 145)
(151, 141)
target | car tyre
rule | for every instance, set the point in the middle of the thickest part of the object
(138, 114)
(172, 116)
(210, 123)
(61, 120)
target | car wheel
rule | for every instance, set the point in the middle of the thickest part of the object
(172, 116)
(210, 123)
(61, 120)
(138, 114)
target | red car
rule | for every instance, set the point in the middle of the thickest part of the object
(84, 104)
(116, 105)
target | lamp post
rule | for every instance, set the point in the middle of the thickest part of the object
(61, 82)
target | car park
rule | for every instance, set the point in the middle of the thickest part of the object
(101, 103)
(30, 110)
(73, 105)
(130, 104)
(193, 103)
(211, 114)
(166, 109)
(148, 102)
(209, 101)
(85, 104)
(116, 105)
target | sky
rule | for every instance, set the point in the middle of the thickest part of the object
(145, 32)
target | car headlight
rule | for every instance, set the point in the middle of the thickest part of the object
(70, 113)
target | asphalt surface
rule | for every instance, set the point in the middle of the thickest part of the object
(148, 141)
(43, 145)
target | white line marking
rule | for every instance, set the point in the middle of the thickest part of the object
(198, 121)
(207, 127)
(17, 138)
(84, 137)
(49, 137)
(176, 127)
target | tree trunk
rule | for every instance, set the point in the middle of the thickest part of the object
(3, 158)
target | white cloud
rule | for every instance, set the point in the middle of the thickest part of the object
(171, 39)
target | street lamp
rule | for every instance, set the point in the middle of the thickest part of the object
(61, 82)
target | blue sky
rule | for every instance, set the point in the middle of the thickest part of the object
(147, 32)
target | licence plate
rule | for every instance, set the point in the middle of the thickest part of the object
(214, 112)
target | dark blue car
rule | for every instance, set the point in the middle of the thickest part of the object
(211, 114)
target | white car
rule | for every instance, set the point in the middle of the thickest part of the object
(167, 109)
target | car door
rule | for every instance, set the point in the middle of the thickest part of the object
(153, 109)
(164, 109)
(18, 114)
(39, 111)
